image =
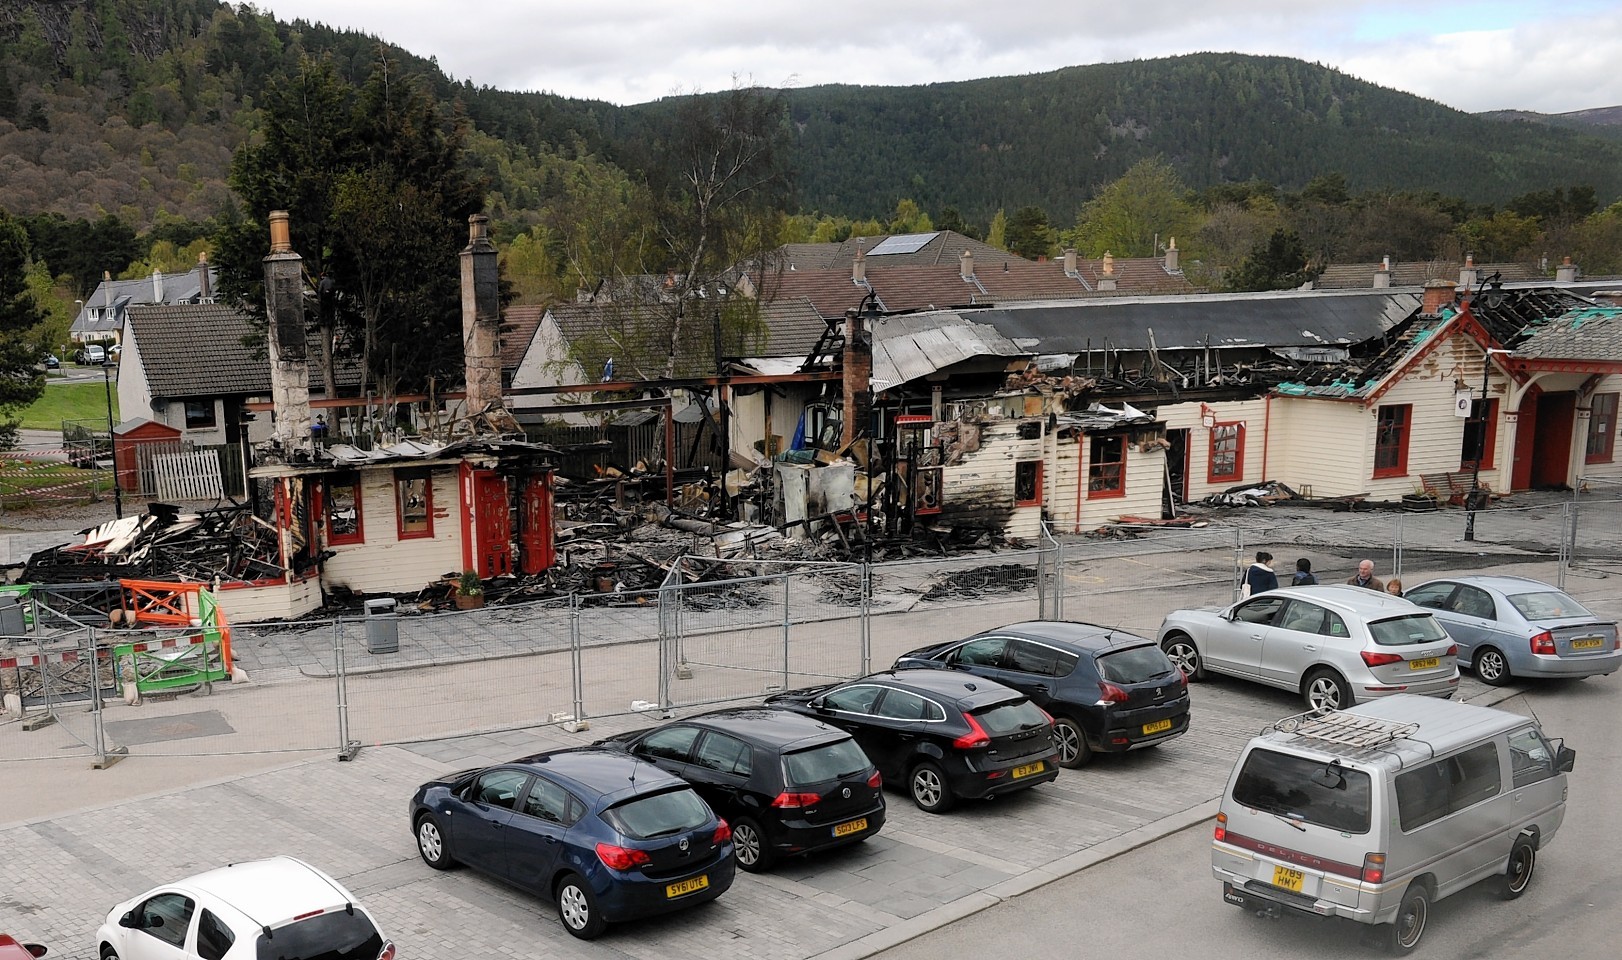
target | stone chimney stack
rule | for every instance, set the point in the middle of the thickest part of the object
(285, 340)
(1467, 274)
(1069, 261)
(481, 318)
(1382, 276)
(858, 266)
(1566, 272)
(107, 284)
(157, 286)
(205, 286)
(1172, 256)
(1106, 277)
(857, 368)
(1438, 294)
(965, 265)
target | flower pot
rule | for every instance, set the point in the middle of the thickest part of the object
(469, 601)
(1418, 502)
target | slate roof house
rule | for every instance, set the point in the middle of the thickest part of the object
(102, 316)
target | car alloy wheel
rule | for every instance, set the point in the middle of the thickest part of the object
(1071, 743)
(1325, 691)
(1180, 650)
(749, 846)
(929, 789)
(1491, 668)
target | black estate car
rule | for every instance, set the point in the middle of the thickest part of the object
(787, 784)
(603, 835)
(945, 735)
(1106, 690)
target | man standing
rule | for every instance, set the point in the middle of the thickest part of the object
(1365, 576)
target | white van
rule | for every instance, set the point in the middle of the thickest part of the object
(1376, 812)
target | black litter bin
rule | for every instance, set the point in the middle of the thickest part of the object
(382, 626)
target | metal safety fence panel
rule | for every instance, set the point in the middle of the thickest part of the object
(917, 602)
(1099, 576)
(50, 688)
(731, 640)
(1594, 528)
(619, 653)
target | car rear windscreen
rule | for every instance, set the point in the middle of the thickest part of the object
(831, 761)
(1304, 789)
(334, 935)
(1548, 605)
(1134, 664)
(1010, 716)
(659, 814)
(1403, 631)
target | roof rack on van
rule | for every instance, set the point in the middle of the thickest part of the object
(1347, 729)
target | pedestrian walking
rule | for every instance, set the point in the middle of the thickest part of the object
(1304, 577)
(1365, 576)
(1260, 576)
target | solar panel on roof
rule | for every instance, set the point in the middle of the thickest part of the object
(903, 243)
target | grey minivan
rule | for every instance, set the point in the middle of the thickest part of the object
(1376, 812)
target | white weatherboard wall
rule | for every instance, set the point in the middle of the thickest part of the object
(1320, 443)
(1607, 469)
(1252, 413)
(1066, 486)
(385, 563)
(980, 489)
(1436, 436)
(253, 602)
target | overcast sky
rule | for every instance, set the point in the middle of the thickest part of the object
(1483, 55)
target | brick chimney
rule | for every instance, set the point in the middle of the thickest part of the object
(205, 286)
(1069, 261)
(858, 266)
(285, 340)
(857, 368)
(1467, 274)
(965, 265)
(1106, 276)
(481, 317)
(1171, 256)
(1382, 276)
(1566, 272)
(1438, 294)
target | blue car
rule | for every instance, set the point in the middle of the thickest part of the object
(1509, 627)
(604, 835)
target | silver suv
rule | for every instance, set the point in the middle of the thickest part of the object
(1335, 645)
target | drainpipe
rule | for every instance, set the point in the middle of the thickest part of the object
(1267, 433)
(1081, 478)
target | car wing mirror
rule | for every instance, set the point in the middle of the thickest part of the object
(819, 706)
(128, 919)
(1565, 759)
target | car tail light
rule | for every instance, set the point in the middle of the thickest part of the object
(1221, 832)
(975, 738)
(876, 780)
(794, 801)
(1543, 643)
(1374, 868)
(308, 914)
(1110, 693)
(388, 951)
(723, 833)
(1380, 659)
(1182, 678)
(619, 858)
(1452, 651)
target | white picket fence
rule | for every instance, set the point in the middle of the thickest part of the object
(188, 476)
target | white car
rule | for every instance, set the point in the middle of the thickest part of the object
(278, 907)
(1335, 645)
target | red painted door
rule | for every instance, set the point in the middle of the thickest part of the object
(1551, 453)
(1526, 424)
(494, 524)
(535, 549)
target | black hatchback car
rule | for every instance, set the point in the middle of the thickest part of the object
(1106, 690)
(602, 834)
(787, 784)
(945, 735)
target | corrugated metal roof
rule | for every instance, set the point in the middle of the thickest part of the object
(911, 347)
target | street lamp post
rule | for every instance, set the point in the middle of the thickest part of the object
(107, 386)
(1476, 498)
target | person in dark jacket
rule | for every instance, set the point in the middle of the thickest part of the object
(1260, 575)
(1304, 577)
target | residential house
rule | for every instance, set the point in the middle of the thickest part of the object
(102, 317)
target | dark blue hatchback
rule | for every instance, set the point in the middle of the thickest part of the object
(607, 836)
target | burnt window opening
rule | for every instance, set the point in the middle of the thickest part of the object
(1028, 483)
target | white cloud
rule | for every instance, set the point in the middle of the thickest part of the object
(636, 50)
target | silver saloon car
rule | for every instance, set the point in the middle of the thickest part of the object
(1518, 627)
(1335, 645)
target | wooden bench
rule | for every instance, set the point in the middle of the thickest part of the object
(1447, 487)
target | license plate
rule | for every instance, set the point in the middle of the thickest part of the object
(854, 826)
(682, 889)
(1425, 664)
(1588, 643)
(1028, 769)
(1288, 878)
(1157, 726)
